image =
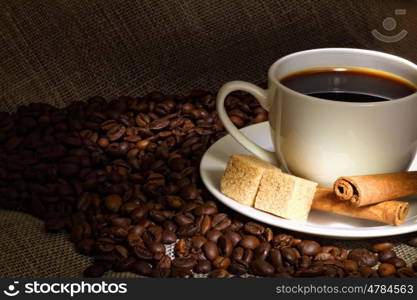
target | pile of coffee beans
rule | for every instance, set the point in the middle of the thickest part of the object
(122, 178)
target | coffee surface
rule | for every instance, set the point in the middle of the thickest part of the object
(349, 84)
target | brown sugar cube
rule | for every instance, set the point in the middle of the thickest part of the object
(241, 178)
(285, 195)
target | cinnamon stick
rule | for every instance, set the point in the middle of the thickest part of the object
(389, 212)
(370, 189)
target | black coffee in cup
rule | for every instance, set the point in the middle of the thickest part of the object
(349, 84)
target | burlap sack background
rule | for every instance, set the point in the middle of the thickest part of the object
(60, 51)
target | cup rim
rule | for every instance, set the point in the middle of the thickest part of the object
(342, 103)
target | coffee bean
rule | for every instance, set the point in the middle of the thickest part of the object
(396, 262)
(254, 228)
(205, 224)
(290, 254)
(247, 256)
(305, 261)
(363, 257)
(220, 221)
(234, 237)
(124, 265)
(386, 270)
(142, 253)
(415, 266)
(262, 251)
(385, 255)
(142, 268)
(189, 192)
(350, 265)
(308, 247)
(211, 250)
(226, 246)
(168, 237)
(381, 247)
(406, 272)
(275, 257)
(203, 266)
(214, 235)
(198, 241)
(113, 202)
(237, 253)
(156, 247)
(221, 262)
(183, 262)
(249, 242)
(262, 268)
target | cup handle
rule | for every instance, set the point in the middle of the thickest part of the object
(259, 94)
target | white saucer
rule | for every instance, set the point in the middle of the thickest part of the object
(319, 223)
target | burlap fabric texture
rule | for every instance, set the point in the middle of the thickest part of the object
(60, 51)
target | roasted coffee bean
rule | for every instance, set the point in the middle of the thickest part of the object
(237, 268)
(225, 245)
(189, 192)
(237, 253)
(156, 247)
(184, 219)
(205, 224)
(160, 273)
(142, 253)
(282, 240)
(268, 235)
(396, 262)
(350, 265)
(220, 221)
(182, 262)
(247, 256)
(262, 268)
(254, 228)
(384, 255)
(305, 261)
(308, 247)
(203, 266)
(381, 247)
(142, 268)
(415, 266)
(249, 242)
(164, 262)
(412, 242)
(168, 237)
(406, 272)
(198, 241)
(211, 250)
(233, 236)
(214, 235)
(290, 254)
(363, 257)
(221, 262)
(179, 272)
(275, 257)
(124, 264)
(386, 270)
(262, 251)
(113, 202)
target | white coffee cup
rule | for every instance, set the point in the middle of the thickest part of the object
(321, 140)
